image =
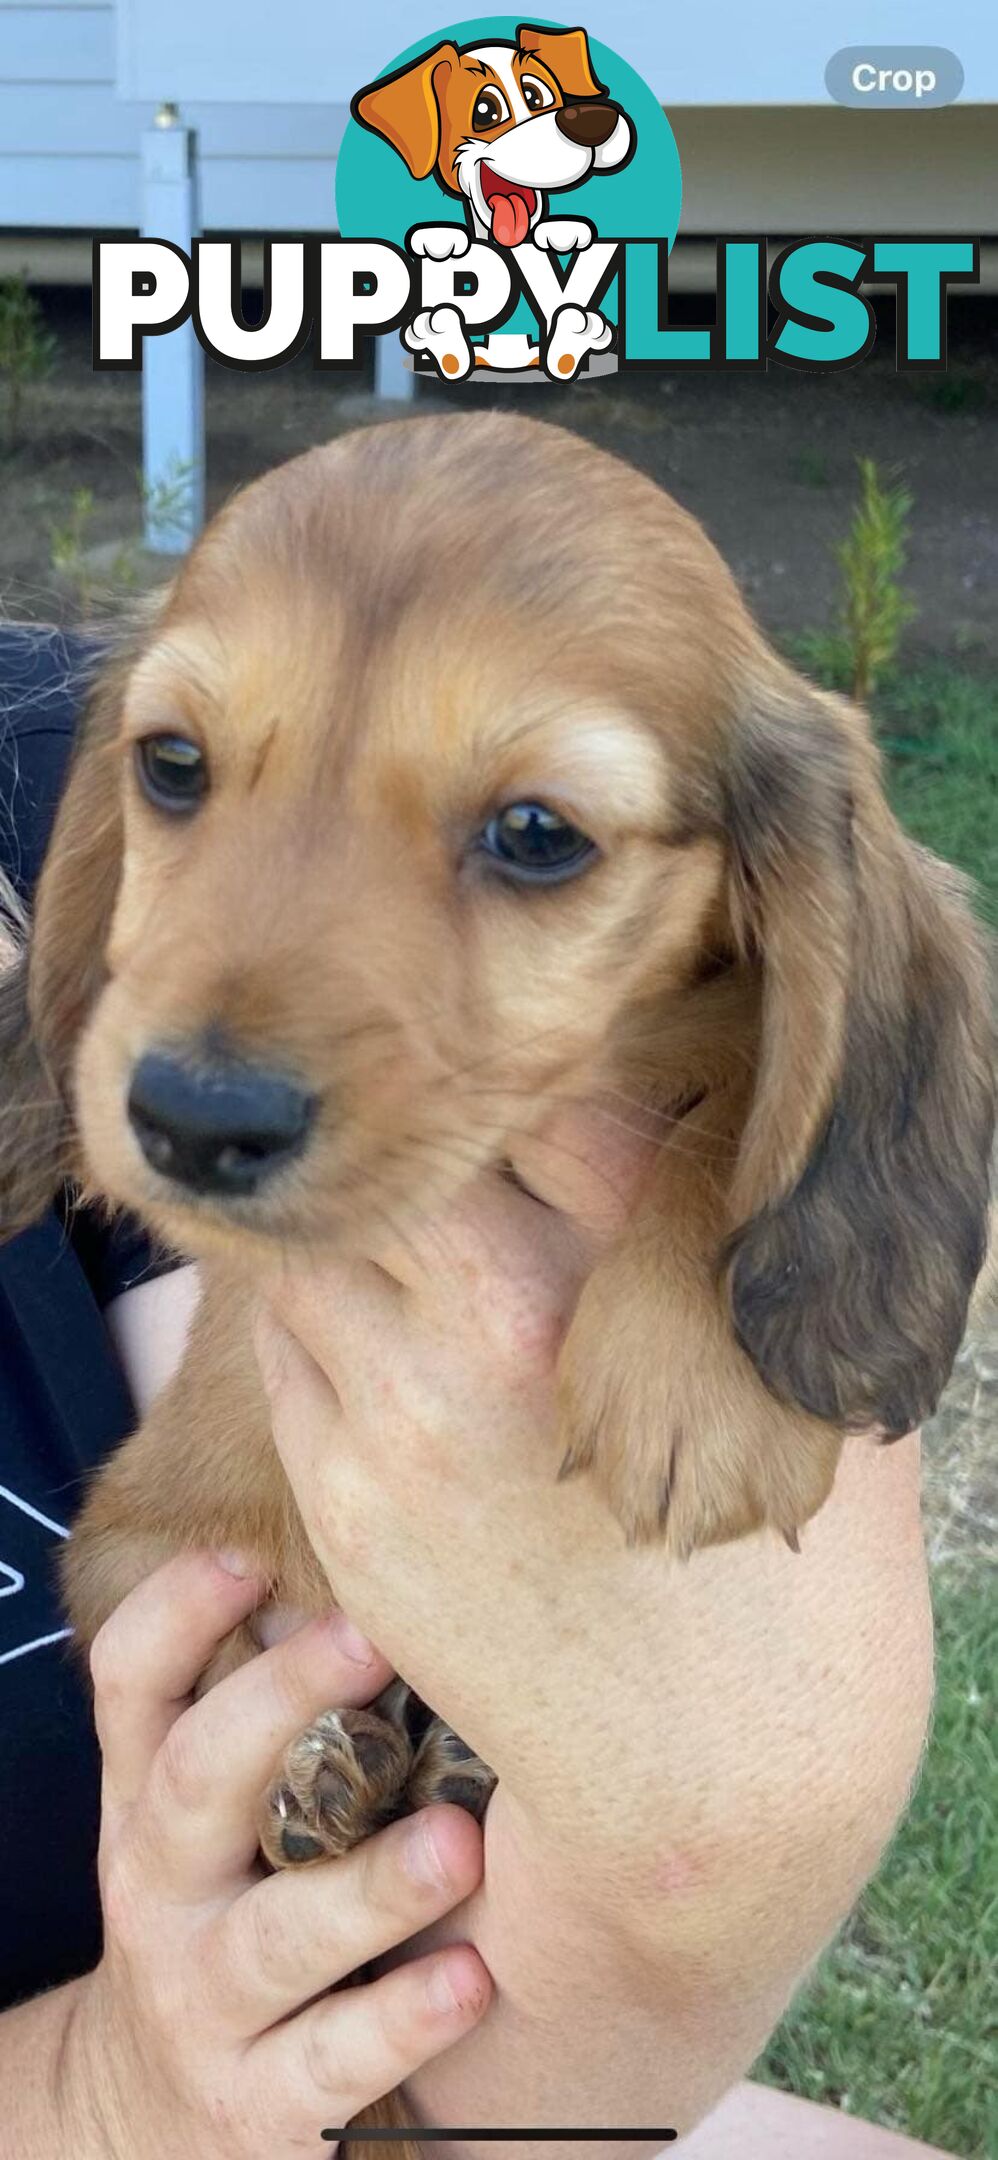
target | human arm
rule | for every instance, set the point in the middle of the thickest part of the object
(698, 1765)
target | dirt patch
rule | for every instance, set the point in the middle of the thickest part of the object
(960, 1456)
(767, 461)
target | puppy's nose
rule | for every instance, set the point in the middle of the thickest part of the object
(221, 1126)
(588, 125)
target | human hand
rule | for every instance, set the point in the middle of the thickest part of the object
(208, 2027)
(698, 1763)
(413, 1406)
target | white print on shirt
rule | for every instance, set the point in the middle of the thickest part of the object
(12, 1580)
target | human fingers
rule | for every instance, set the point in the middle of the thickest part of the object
(199, 1826)
(347, 2051)
(149, 1655)
(589, 1161)
(495, 1277)
(301, 1931)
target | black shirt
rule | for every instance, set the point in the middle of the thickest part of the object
(64, 1404)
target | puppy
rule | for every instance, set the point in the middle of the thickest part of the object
(499, 125)
(421, 805)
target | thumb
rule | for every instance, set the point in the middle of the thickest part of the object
(277, 1354)
(304, 1406)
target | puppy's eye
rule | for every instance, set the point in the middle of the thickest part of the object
(533, 845)
(537, 96)
(490, 109)
(172, 773)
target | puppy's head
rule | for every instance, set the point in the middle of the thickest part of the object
(500, 123)
(420, 787)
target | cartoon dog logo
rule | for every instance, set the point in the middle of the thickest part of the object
(502, 125)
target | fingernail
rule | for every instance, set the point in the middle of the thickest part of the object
(441, 1990)
(421, 1857)
(237, 1564)
(350, 1641)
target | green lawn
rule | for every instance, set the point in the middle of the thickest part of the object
(900, 2021)
(939, 728)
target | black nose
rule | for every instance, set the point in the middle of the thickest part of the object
(220, 1126)
(588, 125)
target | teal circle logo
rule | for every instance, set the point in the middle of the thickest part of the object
(501, 156)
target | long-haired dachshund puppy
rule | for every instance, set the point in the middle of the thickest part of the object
(452, 779)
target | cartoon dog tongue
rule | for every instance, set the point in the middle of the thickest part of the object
(510, 220)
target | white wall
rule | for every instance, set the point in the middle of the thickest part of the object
(69, 151)
(69, 145)
(768, 52)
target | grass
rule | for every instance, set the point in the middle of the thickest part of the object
(899, 2023)
(938, 727)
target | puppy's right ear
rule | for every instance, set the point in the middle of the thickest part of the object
(404, 108)
(32, 1119)
(50, 976)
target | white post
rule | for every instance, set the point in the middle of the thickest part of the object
(392, 379)
(172, 365)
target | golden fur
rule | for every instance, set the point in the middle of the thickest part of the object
(375, 645)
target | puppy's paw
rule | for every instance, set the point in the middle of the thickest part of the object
(575, 332)
(440, 332)
(669, 1417)
(439, 242)
(563, 236)
(339, 1782)
(445, 1769)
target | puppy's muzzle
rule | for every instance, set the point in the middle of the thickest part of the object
(221, 1126)
(589, 125)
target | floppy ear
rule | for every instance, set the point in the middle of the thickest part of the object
(46, 993)
(33, 1124)
(862, 1185)
(404, 109)
(566, 54)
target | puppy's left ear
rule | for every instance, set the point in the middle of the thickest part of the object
(566, 54)
(862, 1186)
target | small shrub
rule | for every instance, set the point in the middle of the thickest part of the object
(26, 351)
(823, 654)
(70, 539)
(874, 607)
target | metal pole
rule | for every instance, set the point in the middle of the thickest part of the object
(173, 456)
(392, 379)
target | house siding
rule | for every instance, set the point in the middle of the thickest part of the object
(69, 147)
(69, 152)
